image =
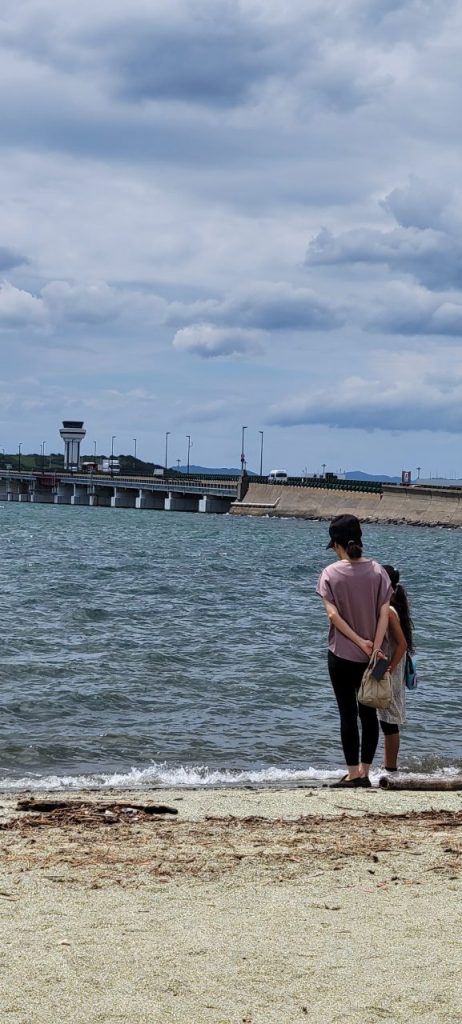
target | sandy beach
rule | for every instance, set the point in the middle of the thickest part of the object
(248, 907)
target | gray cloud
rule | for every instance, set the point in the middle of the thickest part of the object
(421, 204)
(394, 21)
(9, 258)
(432, 254)
(272, 306)
(412, 310)
(213, 57)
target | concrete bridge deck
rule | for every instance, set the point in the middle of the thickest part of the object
(417, 505)
(191, 494)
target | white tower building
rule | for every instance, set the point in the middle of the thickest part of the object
(72, 433)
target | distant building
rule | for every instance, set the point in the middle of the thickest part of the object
(72, 433)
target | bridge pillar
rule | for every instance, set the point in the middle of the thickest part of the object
(211, 503)
(150, 499)
(80, 495)
(39, 495)
(123, 498)
(182, 502)
(63, 494)
(25, 490)
(101, 497)
(12, 493)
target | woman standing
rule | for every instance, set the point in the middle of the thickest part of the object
(400, 641)
(356, 592)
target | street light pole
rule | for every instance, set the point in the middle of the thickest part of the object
(19, 457)
(94, 450)
(112, 453)
(134, 443)
(261, 452)
(242, 450)
(167, 435)
(418, 472)
(43, 455)
(188, 437)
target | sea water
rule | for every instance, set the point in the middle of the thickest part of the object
(162, 648)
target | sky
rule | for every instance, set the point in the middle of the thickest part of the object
(220, 214)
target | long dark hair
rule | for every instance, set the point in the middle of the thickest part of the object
(400, 603)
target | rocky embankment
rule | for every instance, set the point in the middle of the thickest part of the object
(419, 506)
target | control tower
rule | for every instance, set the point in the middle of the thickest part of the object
(72, 433)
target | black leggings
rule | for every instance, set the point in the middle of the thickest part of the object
(346, 678)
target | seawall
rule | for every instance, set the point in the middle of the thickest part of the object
(419, 506)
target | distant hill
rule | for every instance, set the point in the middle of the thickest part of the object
(357, 474)
(354, 474)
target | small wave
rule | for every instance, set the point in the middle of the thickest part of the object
(183, 777)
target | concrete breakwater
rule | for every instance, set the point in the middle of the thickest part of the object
(418, 506)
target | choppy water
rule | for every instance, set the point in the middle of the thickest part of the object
(155, 647)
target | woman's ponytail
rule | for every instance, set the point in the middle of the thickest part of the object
(354, 549)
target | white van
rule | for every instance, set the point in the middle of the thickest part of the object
(277, 476)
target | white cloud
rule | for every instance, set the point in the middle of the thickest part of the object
(20, 309)
(210, 342)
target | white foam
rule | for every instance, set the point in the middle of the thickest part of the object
(163, 776)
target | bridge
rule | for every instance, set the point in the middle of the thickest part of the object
(185, 494)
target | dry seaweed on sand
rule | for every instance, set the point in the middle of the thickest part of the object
(222, 847)
(89, 813)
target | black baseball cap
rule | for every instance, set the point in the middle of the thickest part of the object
(343, 529)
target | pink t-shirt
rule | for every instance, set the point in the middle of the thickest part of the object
(358, 590)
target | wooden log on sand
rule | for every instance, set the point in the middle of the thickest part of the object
(31, 804)
(426, 785)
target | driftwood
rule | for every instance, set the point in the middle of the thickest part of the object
(30, 804)
(429, 785)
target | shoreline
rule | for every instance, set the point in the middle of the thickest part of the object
(398, 506)
(100, 783)
(366, 520)
(271, 801)
(264, 906)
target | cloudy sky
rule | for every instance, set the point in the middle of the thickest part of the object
(218, 213)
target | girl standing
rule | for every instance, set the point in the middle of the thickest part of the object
(400, 641)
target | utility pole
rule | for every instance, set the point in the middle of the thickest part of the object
(242, 450)
(261, 452)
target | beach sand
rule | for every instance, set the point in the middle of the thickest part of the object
(250, 907)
